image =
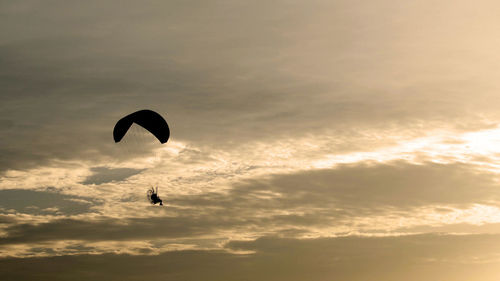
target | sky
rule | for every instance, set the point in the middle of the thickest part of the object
(310, 140)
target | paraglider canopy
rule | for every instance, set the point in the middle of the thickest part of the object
(148, 119)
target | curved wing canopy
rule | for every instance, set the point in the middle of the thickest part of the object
(148, 119)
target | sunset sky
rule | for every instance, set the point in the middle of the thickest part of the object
(310, 140)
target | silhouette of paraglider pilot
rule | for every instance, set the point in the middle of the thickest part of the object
(153, 196)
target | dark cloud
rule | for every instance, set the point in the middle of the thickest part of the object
(5, 219)
(478, 228)
(115, 229)
(330, 197)
(229, 73)
(412, 258)
(6, 124)
(104, 175)
(39, 202)
(69, 72)
(351, 190)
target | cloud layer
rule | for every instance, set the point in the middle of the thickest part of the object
(310, 141)
(351, 258)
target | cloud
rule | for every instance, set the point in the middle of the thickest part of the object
(68, 81)
(288, 119)
(103, 229)
(365, 199)
(37, 202)
(6, 124)
(443, 257)
(358, 189)
(102, 175)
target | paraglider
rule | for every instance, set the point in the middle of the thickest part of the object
(153, 196)
(155, 124)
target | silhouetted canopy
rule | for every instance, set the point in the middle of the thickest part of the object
(148, 119)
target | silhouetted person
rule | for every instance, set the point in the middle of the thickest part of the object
(155, 198)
